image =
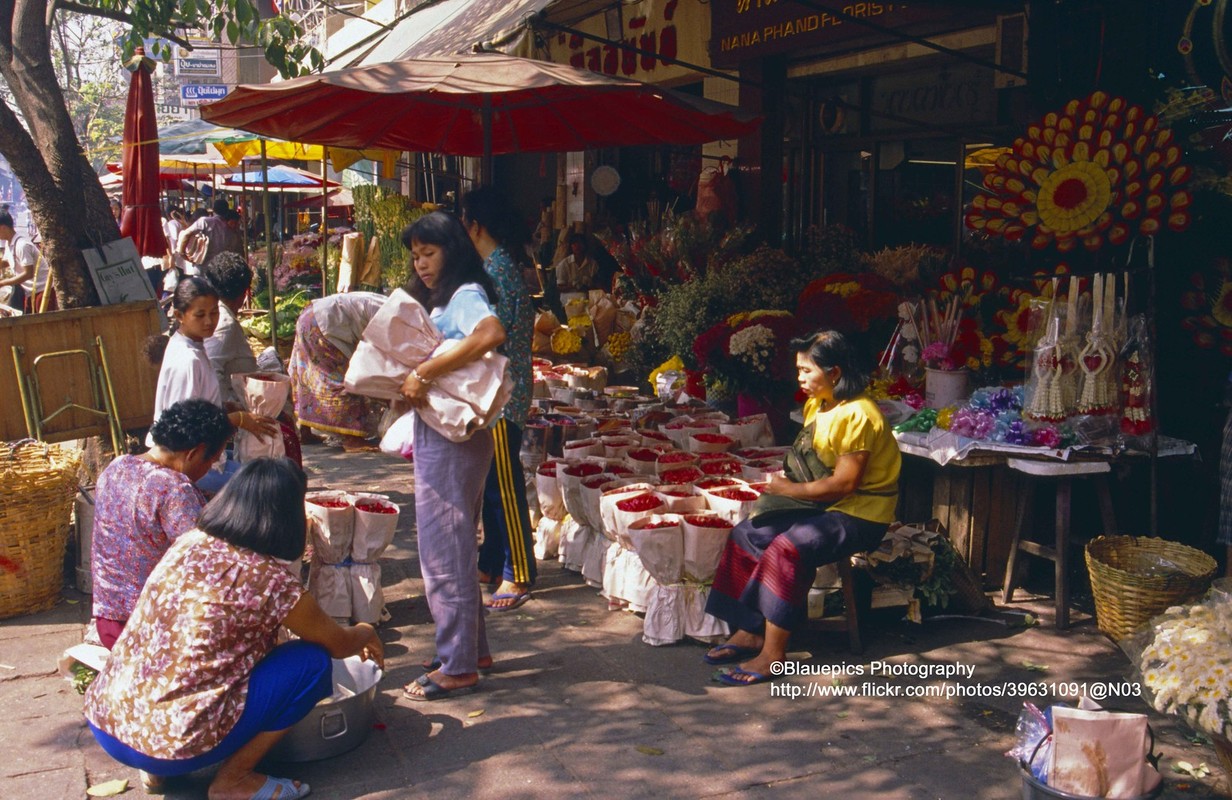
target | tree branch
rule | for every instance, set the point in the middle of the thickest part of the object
(118, 16)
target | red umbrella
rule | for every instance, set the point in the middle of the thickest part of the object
(477, 104)
(141, 218)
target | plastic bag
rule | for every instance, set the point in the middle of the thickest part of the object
(400, 438)
(1032, 747)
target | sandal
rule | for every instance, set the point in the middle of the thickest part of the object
(434, 691)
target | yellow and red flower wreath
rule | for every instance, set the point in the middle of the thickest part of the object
(1099, 171)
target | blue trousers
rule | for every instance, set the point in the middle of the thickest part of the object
(283, 688)
(507, 549)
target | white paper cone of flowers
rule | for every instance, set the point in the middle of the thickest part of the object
(681, 498)
(717, 482)
(570, 479)
(642, 460)
(664, 622)
(733, 503)
(331, 525)
(551, 503)
(581, 448)
(376, 521)
(592, 491)
(594, 558)
(697, 623)
(674, 459)
(675, 430)
(367, 598)
(681, 475)
(330, 586)
(658, 540)
(710, 442)
(750, 431)
(655, 439)
(760, 453)
(547, 538)
(705, 536)
(573, 538)
(630, 509)
(617, 446)
(721, 465)
(618, 490)
(756, 471)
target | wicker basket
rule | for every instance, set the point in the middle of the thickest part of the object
(36, 508)
(1129, 585)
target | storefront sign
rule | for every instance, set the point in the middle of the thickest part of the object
(955, 96)
(665, 29)
(744, 29)
(198, 63)
(194, 94)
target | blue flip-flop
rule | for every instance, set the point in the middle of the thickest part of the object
(289, 791)
(729, 677)
(434, 691)
(735, 654)
(519, 599)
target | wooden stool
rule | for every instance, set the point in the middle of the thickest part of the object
(1064, 474)
(850, 621)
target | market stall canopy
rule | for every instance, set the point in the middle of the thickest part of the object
(229, 146)
(456, 26)
(339, 198)
(478, 104)
(278, 178)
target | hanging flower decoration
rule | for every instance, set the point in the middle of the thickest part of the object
(1098, 172)
(1207, 305)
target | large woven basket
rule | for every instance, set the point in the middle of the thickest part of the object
(1134, 579)
(38, 484)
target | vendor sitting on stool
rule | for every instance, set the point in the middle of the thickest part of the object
(575, 273)
(839, 498)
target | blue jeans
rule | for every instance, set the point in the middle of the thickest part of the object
(283, 688)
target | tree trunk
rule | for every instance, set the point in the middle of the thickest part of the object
(66, 199)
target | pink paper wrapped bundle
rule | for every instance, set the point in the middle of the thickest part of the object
(401, 337)
(262, 393)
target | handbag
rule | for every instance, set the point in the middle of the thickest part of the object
(196, 245)
(800, 465)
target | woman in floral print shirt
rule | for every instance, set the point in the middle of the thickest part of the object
(195, 678)
(144, 503)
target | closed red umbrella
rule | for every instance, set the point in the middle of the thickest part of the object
(476, 104)
(141, 218)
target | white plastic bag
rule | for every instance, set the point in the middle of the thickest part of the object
(400, 438)
(367, 598)
(697, 623)
(330, 585)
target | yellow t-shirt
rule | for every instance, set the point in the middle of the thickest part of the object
(850, 427)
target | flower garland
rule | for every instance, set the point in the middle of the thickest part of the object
(1096, 172)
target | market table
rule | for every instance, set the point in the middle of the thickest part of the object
(974, 476)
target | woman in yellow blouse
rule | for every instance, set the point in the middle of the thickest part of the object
(838, 498)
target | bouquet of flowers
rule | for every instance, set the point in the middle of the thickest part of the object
(1185, 663)
(748, 352)
(847, 302)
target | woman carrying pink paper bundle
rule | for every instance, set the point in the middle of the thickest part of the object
(449, 280)
(326, 334)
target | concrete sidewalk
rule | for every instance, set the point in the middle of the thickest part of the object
(578, 706)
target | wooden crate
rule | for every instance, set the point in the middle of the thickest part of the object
(978, 506)
(124, 329)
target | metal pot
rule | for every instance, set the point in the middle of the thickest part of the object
(339, 723)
